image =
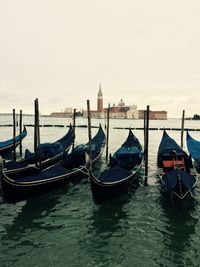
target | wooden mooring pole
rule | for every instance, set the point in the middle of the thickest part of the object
(74, 126)
(145, 119)
(37, 134)
(20, 131)
(89, 134)
(14, 135)
(107, 132)
(182, 127)
(146, 145)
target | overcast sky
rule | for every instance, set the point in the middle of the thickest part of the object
(146, 52)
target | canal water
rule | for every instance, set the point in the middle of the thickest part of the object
(65, 227)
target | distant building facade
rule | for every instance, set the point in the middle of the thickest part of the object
(120, 111)
(154, 115)
(61, 114)
(67, 113)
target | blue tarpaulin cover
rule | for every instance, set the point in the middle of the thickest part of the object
(193, 147)
(168, 144)
(114, 174)
(170, 179)
(52, 172)
(49, 150)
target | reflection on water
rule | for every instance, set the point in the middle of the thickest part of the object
(32, 220)
(178, 234)
(105, 231)
(33, 210)
(106, 218)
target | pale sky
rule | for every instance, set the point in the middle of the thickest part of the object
(146, 52)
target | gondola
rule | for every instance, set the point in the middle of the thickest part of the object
(6, 147)
(74, 165)
(49, 150)
(193, 146)
(176, 172)
(47, 155)
(123, 169)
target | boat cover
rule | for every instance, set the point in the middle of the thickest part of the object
(49, 150)
(12, 164)
(52, 172)
(170, 179)
(114, 174)
(126, 156)
(168, 144)
(193, 147)
(46, 150)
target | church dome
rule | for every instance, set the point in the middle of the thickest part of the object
(121, 103)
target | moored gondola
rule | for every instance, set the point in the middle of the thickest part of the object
(6, 147)
(73, 166)
(176, 172)
(48, 154)
(123, 169)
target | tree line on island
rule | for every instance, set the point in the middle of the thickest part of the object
(195, 117)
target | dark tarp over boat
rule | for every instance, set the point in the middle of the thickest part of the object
(49, 150)
(72, 167)
(6, 147)
(171, 178)
(167, 145)
(193, 146)
(175, 169)
(50, 154)
(122, 169)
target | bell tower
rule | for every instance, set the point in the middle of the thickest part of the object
(100, 100)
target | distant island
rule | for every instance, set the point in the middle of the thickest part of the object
(196, 117)
(120, 111)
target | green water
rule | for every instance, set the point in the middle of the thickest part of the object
(65, 227)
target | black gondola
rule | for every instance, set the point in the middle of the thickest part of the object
(6, 147)
(50, 153)
(123, 169)
(74, 165)
(175, 169)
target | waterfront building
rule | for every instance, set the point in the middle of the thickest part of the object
(120, 111)
(61, 114)
(154, 115)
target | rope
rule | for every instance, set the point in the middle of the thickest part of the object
(151, 174)
(82, 171)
